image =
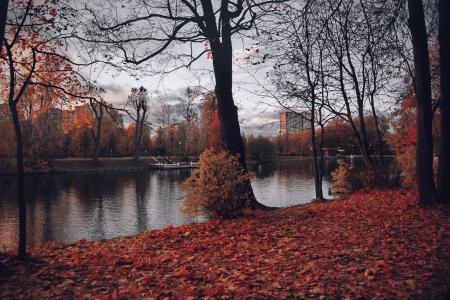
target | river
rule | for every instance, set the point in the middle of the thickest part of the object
(70, 207)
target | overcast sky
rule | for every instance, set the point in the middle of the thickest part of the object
(257, 114)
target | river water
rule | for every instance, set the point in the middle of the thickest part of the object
(70, 207)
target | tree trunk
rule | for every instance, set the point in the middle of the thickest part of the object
(98, 139)
(317, 181)
(368, 162)
(141, 130)
(22, 251)
(365, 144)
(444, 52)
(230, 132)
(3, 16)
(379, 135)
(137, 137)
(98, 113)
(422, 82)
(322, 139)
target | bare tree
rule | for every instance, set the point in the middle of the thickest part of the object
(358, 35)
(188, 108)
(140, 103)
(300, 72)
(98, 108)
(356, 53)
(164, 115)
(32, 62)
(150, 28)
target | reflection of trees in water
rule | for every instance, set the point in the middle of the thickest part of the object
(300, 169)
(142, 184)
(88, 187)
(162, 198)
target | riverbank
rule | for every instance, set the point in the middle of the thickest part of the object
(372, 244)
(76, 165)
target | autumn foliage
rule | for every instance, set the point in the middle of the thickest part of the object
(341, 178)
(217, 187)
(374, 244)
(403, 138)
(210, 120)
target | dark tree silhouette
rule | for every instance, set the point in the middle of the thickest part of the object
(98, 108)
(140, 103)
(154, 27)
(444, 52)
(30, 59)
(422, 83)
(299, 74)
(3, 16)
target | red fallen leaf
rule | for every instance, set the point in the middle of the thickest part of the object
(181, 271)
(114, 295)
(342, 245)
(133, 288)
(370, 273)
(209, 292)
(76, 260)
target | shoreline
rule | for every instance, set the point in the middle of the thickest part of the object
(106, 164)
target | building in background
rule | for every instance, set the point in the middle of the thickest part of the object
(291, 122)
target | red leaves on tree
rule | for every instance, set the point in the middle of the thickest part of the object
(373, 244)
(210, 120)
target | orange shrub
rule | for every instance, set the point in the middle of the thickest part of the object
(217, 188)
(341, 178)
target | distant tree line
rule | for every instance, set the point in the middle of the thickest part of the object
(94, 129)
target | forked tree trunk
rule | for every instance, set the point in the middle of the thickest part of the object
(22, 252)
(422, 83)
(444, 53)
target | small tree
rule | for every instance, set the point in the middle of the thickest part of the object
(341, 178)
(218, 187)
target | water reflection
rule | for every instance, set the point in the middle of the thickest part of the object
(288, 183)
(69, 207)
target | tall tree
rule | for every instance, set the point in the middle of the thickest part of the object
(157, 25)
(98, 108)
(422, 83)
(299, 74)
(444, 52)
(140, 102)
(32, 33)
(187, 107)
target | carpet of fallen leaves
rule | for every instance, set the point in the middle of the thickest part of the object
(372, 244)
